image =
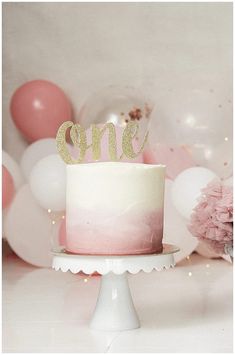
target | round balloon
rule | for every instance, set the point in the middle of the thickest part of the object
(176, 158)
(204, 250)
(35, 152)
(48, 182)
(28, 229)
(199, 119)
(38, 108)
(175, 227)
(8, 188)
(187, 188)
(13, 169)
(118, 105)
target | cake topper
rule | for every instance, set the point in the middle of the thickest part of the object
(79, 140)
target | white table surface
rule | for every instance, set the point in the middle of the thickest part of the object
(186, 309)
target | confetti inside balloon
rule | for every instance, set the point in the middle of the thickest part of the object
(118, 105)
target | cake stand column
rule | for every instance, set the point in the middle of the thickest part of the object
(114, 308)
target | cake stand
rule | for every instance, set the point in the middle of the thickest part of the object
(114, 309)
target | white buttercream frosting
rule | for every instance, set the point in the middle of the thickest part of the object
(115, 186)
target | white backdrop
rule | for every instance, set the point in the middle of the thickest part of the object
(85, 46)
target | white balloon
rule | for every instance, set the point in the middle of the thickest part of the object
(48, 182)
(13, 169)
(204, 250)
(35, 152)
(187, 188)
(28, 229)
(175, 227)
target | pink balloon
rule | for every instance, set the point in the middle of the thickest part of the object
(104, 156)
(38, 108)
(8, 188)
(176, 158)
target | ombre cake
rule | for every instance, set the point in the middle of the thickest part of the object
(114, 208)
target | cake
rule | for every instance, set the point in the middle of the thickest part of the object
(114, 208)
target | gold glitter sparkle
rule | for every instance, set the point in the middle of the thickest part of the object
(79, 140)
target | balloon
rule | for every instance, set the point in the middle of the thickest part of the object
(175, 227)
(187, 188)
(28, 229)
(35, 152)
(8, 188)
(48, 182)
(118, 105)
(176, 158)
(13, 169)
(200, 120)
(204, 250)
(220, 159)
(38, 108)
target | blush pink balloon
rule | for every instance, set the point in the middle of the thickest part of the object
(8, 188)
(176, 158)
(38, 108)
(105, 147)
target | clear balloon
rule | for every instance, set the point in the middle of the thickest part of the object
(35, 152)
(175, 227)
(8, 188)
(201, 121)
(14, 169)
(118, 105)
(48, 182)
(28, 229)
(187, 188)
(38, 108)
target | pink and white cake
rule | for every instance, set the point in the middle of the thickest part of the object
(114, 208)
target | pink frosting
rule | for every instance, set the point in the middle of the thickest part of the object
(97, 232)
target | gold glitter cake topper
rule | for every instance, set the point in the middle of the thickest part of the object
(79, 140)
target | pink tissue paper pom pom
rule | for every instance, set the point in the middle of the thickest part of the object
(212, 219)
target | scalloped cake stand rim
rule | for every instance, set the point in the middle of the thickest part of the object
(117, 264)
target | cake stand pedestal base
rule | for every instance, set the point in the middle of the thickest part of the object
(114, 309)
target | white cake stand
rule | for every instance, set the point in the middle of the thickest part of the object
(114, 310)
